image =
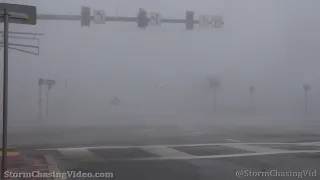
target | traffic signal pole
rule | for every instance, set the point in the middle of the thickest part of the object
(18, 14)
(5, 92)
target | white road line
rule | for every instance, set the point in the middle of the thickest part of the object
(194, 134)
(233, 140)
(165, 152)
(199, 133)
(191, 132)
(309, 144)
(257, 149)
(168, 145)
(213, 156)
(77, 153)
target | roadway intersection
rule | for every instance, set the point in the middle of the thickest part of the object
(168, 152)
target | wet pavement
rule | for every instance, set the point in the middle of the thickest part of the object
(173, 153)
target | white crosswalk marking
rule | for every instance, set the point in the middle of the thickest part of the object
(233, 140)
(77, 153)
(169, 152)
(309, 143)
(175, 145)
(218, 156)
(165, 152)
(256, 149)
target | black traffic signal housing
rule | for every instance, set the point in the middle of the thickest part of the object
(189, 20)
(85, 16)
(142, 19)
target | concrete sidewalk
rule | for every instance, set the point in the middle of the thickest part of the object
(29, 163)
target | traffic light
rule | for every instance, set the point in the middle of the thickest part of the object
(189, 20)
(85, 16)
(142, 19)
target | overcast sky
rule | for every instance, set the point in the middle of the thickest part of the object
(272, 44)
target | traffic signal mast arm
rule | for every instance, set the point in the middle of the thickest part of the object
(108, 18)
(143, 18)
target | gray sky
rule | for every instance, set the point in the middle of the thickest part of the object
(271, 44)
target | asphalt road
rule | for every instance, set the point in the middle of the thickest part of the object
(141, 134)
(174, 153)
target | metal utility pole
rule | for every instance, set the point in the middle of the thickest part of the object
(47, 104)
(5, 92)
(66, 98)
(252, 97)
(305, 102)
(306, 88)
(40, 100)
(49, 83)
(215, 99)
(19, 14)
(214, 83)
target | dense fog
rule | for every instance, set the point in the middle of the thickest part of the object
(118, 73)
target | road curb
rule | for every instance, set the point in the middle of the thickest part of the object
(52, 165)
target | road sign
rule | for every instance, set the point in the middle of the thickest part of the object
(30, 45)
(99, 17)
(19, 14)
(217, 21)
(205, 21)
(46, 81)
(155, 19)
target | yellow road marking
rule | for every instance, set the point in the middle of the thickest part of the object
(11, 153)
